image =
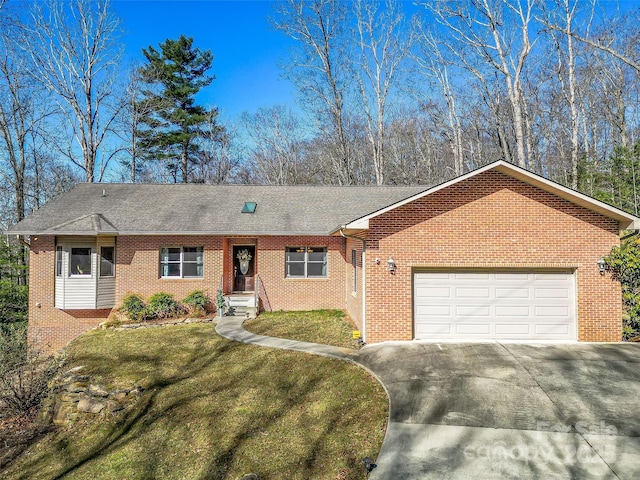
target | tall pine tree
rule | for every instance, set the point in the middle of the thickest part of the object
(172, 123)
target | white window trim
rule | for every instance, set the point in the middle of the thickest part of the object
(181, 262)
(306, 263)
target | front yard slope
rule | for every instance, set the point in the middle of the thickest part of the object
(213, 409)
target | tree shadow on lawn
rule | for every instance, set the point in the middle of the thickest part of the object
(143, 415)
(132, 430)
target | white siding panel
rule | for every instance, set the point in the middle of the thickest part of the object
(106, 292)
(495, 305)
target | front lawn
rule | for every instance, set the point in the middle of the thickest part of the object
(213, 408)
(331, 327)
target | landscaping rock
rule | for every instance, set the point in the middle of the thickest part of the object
(136, 391)
(69, 397)
(97, 391)
(249, 476)
(115, 406)
(76, 387)
(91, 405)
(74, 370)
(63, 413)
(118, 395)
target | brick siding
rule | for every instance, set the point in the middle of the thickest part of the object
(490, 221)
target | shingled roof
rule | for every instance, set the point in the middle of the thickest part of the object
(139, 209)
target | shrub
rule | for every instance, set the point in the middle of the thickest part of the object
(623, 263)
(196, 302)
(14, 299)
(25, 372)
(163, 305)
(133, 307)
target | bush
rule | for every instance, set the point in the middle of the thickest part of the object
(196, 302)
(623, 263)
(134, 308)
(25, 372)
(163, 305)
(14, 299)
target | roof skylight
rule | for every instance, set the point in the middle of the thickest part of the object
(249, 207)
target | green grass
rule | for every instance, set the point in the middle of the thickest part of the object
(331, 327)
(214, 409)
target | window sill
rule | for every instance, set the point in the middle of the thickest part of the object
(181, 278)
(313, 279)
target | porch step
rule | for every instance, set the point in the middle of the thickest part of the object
(241, 305)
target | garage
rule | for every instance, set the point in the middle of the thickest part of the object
(494, 305)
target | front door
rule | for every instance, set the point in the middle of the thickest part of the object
(244, 260)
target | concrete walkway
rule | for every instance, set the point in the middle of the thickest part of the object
(231, 327)
(495, 411)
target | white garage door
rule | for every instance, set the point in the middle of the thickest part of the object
(494, 305)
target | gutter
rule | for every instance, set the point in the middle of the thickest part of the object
(364, 280)
(629, 235)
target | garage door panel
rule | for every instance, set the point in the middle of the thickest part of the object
(472, 276)
(434, 329)
(552, 311)
(471, 311)
(434, 292)
(473, 329)
(552, 329)
(551, 292)
(472, 292)
(512, 310)
(433, 310)
(556, 277)
(518, 277)
(507, 329)
(494, 305)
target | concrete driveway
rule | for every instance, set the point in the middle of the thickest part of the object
(491, 410)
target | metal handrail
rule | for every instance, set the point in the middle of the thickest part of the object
(256, 294)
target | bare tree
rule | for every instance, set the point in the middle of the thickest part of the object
(561, 19)
(497, 32)
(219, 157)
(431, 63)
(384, 42)
(275, 145)
(319, 69)
(73, 46)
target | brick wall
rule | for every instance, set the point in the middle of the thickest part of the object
(138, 266)
(354, 299)
(490, 221)
(298, 293)
(138, 271)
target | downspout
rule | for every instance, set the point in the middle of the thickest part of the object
(364, 281)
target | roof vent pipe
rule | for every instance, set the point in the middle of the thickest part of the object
(104, 192)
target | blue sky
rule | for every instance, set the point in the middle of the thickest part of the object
(246, 49)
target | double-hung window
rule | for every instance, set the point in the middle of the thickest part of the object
(306, 262)
(107, 261)
(58, 261)
(182, 262)
(354, 267)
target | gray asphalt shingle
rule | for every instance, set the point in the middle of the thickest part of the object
(210, 209)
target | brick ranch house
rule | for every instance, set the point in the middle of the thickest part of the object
(498, 253)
